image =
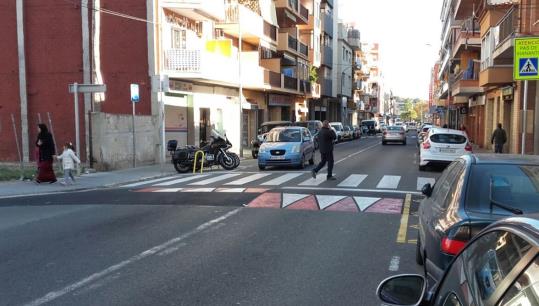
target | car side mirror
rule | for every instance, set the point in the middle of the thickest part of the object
(404, 290)
(427, 190)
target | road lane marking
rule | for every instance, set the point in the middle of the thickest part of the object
(182, 180)
(401, 236)
(282, 179)
(354, 154)
(394, 263)
(230, 190)
(389, 182)
(53, 295)
(289, 198)
(320, 178)
(168, 190)
(248, 179)
(365, 202)
(353, 190)
(353, 180)
(327, 200)
(216, 179)
(147, 182)
(421, 181)
(198, 189)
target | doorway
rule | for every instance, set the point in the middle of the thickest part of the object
(204, 124)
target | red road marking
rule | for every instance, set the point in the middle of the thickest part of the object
(308, 203)
(346, 204)
(267, 200)
(386, 206)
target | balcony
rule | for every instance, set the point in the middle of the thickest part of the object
(315, 91)
(463, 8)
(287, 42)
(496, 75)
(200, 65)
(327, 23)
(327, 56)
(466, 84)
(503, 53)
(304, 49)
(254, 28)
(468, 37)
(291, 13)
(198, 10)
(290, 83)
(274, 79)
(326, 87)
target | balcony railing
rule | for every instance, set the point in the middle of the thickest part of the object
(507, 25)
(275, 79)
(304, 49)
(270, 31)
(303, 12)
(328, 23)
(181, 60)
(305, 86)
(290, 83)
(293, 4)
(327, 87)
(292, 43)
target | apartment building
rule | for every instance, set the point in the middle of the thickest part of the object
(344, 68)
(477, 88)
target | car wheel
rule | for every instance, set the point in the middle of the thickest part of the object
(261, 167)
(422, 168)
(418, 255)
(311, 161)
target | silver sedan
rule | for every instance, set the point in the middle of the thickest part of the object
(394, 134)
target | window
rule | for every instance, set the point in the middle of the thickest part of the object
(525, 290)
(441, 188)
(516, 186)
(489, 260)
(179, 40)
(448, 138)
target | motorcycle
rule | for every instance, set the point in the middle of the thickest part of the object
(215, 153)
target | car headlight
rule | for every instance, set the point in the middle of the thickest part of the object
(262, 149)
(295, 149)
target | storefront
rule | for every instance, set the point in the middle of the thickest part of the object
(475, 126)
(281, 107)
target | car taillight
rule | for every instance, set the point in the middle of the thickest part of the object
(468, 147)
(426, 144)
(385, 133)
(455, 240)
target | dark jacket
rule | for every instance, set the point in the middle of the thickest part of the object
(47, 147)
(326, 137)
(499, 136)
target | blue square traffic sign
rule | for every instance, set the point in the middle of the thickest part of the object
(527, 66)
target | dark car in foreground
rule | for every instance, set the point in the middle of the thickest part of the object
(474, 191)
(500, 266)
(262, 131)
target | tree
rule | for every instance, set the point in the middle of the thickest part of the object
(409, 112)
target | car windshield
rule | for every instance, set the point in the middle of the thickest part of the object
(448, 138)
(336, 127)
(266, 128)
(516, 186)
(284, 135)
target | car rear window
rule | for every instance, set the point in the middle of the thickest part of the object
(394, 128)
(516, 186)
(448, 138)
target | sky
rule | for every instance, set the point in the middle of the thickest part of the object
(408, 32)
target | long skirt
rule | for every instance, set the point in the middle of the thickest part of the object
(45, 173)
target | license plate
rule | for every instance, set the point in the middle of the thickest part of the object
(209, 157)
(442, 150)
(277, 157)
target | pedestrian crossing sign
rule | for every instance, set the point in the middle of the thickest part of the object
(526, 58)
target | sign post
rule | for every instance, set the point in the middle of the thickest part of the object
(75, 89)
(135, 98)
(525, 67)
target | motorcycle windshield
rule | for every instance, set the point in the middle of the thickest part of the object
(216, 134)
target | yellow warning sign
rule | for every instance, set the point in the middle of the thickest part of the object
(526, 58)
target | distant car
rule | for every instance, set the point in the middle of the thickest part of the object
(357, 131)
(348, 133)
(382, 126)
(394, 134)
(286, 146)
(314, 127)
(500, 266)
(371, 125)
(338, 129)
(262, 131)
(412, 126)
(442, 146)
(474, 191)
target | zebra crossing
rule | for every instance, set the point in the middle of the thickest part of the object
(243, 181)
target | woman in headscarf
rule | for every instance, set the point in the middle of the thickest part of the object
(46, 148)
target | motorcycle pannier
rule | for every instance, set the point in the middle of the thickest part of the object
(181, 154)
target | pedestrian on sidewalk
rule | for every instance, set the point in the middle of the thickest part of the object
(499, 138)
(68, 158)
(46, 152)
(326, 138)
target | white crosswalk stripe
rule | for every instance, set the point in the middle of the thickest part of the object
(249, 179)
(146, 182)
(216, 179)
(421, 181)
(281, 179)
(389, 182)
(182, 180)
(353, 180)
(320, 178)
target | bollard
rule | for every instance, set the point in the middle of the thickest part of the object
(201, 162)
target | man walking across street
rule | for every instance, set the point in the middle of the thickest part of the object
(326, 138)
(499, 138)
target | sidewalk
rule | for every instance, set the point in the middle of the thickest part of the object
(87, 181)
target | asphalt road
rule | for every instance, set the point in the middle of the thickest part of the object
(214, 240)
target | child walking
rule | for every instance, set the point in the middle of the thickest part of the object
(69, 158)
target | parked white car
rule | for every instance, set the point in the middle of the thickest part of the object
(442, 146)
(339, 130)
